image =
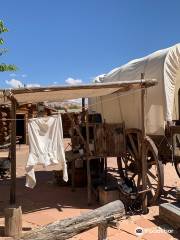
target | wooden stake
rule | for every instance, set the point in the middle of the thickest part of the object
(13, 222)
(102, 231)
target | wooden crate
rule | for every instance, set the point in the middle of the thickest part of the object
(106, 196)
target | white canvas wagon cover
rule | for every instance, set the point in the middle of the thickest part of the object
(161, 100)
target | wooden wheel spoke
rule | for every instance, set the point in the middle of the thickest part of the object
(138, 181)
(151, 186)
(133, 145)
(177, 167)
(133, 176)
(139, 140)
(131, 152)
(152, 175)
(124, 161)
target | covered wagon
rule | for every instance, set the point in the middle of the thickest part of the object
(161, 120)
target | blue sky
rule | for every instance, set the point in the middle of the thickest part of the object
(59, 41)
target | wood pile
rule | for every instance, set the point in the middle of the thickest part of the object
(5, 125)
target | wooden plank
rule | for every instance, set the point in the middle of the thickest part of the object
(109, 139)
(99, 139)
(115, 143)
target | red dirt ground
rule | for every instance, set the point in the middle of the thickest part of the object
(47, 203)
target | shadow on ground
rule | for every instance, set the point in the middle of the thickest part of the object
(45, 195)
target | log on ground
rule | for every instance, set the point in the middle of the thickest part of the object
(70, 227)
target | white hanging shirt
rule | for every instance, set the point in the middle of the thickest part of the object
(45, 146)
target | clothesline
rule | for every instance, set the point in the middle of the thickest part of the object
(46, 146)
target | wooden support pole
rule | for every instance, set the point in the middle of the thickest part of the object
(69, 227)
(83, 110)
(143, 146)
(73, 175)
(102, 231)
(13, 151)
(83, 104)
(105, 172)
(13, 222)
(88, 161)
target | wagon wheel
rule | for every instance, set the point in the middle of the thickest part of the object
(131, 168)
(177, 166)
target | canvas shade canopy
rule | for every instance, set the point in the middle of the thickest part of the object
(161, 101)
(61, 93)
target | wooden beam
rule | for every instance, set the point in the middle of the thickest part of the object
(121, 84)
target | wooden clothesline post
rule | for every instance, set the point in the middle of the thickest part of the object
(13, 151)
(88, 160)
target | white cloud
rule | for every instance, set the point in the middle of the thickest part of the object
(14, 83)
(32, 85)
(24, 75)
(12, 75)
(72, 81)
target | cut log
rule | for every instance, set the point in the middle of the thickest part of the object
(13, 222)
(70, 227)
